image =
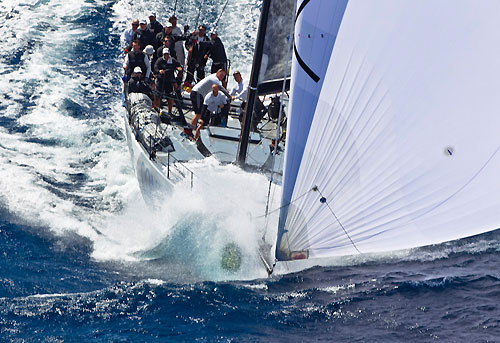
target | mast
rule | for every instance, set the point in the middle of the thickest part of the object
(254, 81)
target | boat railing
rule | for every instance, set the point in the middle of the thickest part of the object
(176, 169)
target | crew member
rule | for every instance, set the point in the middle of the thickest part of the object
(196, 56)
(169, 44)
(165, 79)
(128, 34)
(178, 36)
(214, 103)
(160, 37)
(136, 58)
(213, 106)
(215, 50)
(154, 26)
(137, 84)
(201, 89)
(145, 36)
(240, 92)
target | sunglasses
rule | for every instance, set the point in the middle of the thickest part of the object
(135, 24)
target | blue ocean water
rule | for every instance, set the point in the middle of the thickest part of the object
(82, 258)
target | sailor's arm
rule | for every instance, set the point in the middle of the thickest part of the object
(223, 90)
(148, 66)
(125, 62)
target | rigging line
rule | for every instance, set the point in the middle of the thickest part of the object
(323, 199)
(220, 15)
(198, 17)
(278, 126)
(175, 7)
(291, 202)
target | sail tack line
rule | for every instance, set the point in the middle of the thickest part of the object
(323, 200)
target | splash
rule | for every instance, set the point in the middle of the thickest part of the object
(193, 227)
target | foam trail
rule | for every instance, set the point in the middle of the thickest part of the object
(58, 146)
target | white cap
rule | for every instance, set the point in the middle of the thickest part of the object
(137, 70)
(152, 14)
(168, 24)
(143, 21)
(166, 51)
(149, 50)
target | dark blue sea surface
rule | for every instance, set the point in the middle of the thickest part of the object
(51, 289)
(68, 193)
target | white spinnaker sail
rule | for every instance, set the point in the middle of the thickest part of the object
(404, 145)
(316, 29)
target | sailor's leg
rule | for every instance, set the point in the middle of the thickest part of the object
(190, 71)
(170, 103)
(200, 72)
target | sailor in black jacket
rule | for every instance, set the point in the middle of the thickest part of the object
(136, 58)
(215, 50)
(154, 26)
(143, 35)
(196, 55)
(164, 70)
(137, 84)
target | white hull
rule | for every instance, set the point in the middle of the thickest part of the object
(153, 182)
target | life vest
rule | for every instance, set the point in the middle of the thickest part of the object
(136, 59)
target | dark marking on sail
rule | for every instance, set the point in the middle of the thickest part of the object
(301, 8)
(304, 66)
(449, 151)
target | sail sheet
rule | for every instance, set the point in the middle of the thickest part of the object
(316, 27)
(403, 150)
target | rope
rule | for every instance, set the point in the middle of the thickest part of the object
(277, 137)
(279, 208)
(198, 17)
(220, 15)
(280, 117)
(323, 200)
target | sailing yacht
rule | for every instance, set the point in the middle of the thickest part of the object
(392, 128)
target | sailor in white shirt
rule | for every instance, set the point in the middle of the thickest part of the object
(179, 45)
(240, 91)
(201, 89)
(214, 102)
(128, 34)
